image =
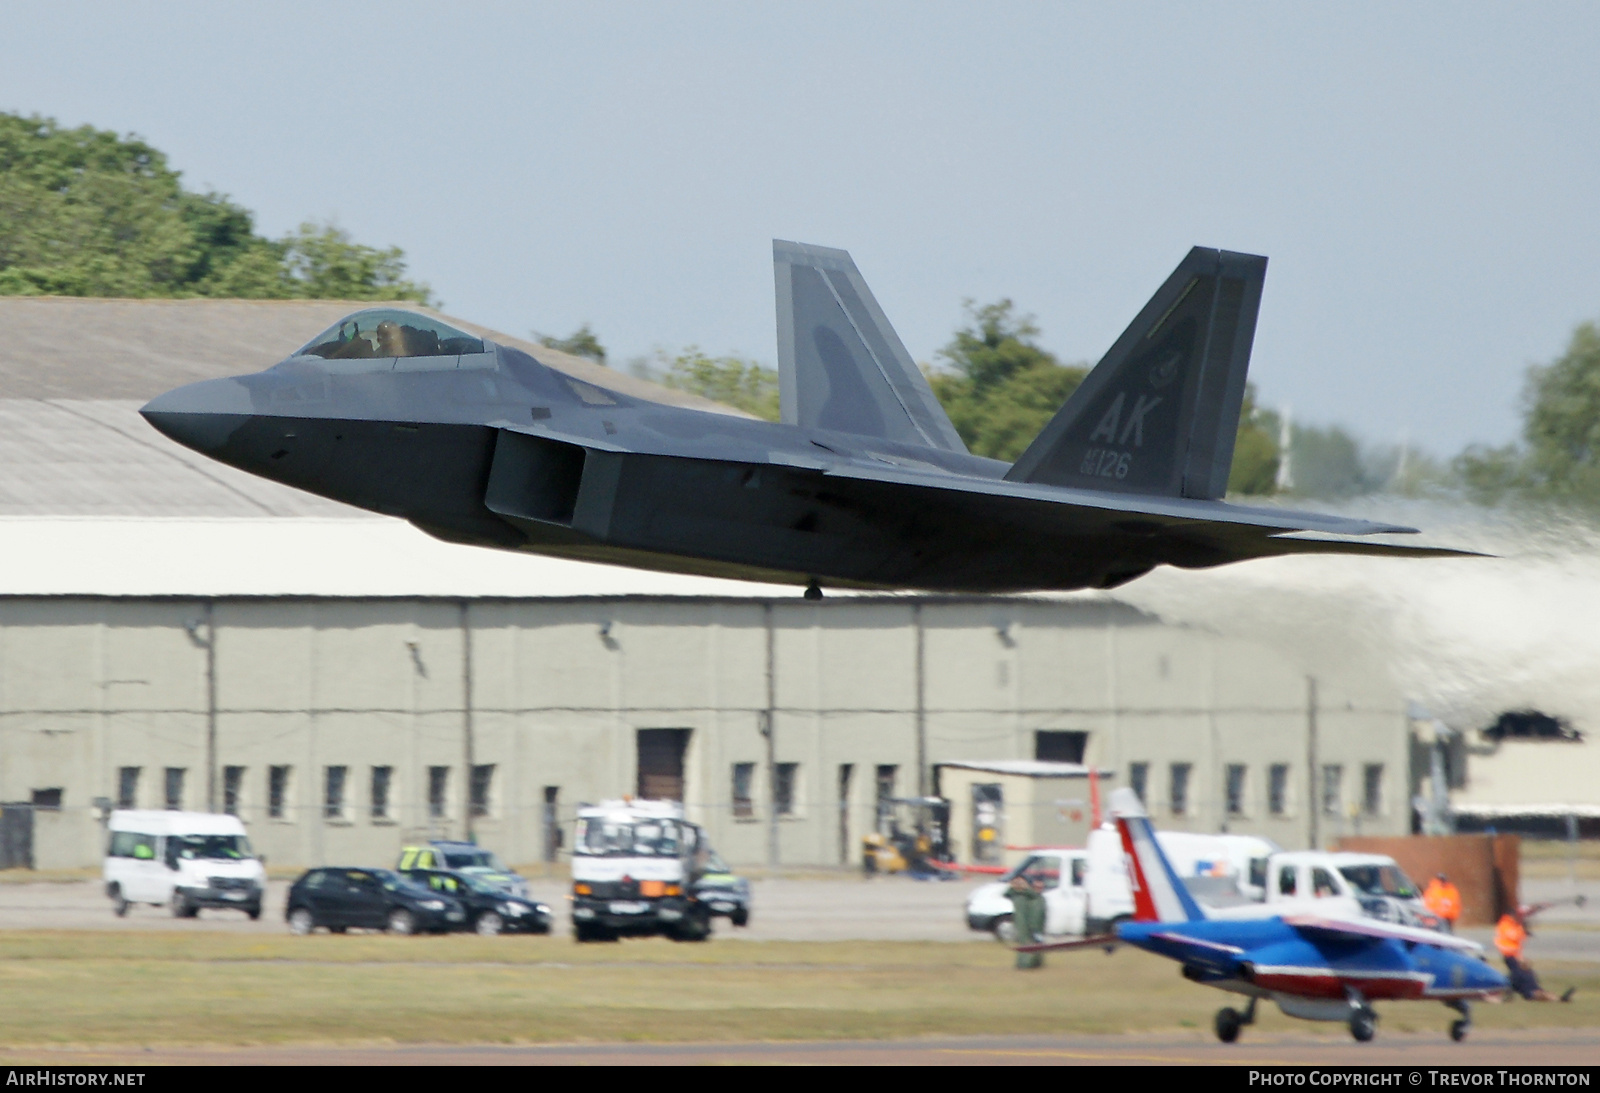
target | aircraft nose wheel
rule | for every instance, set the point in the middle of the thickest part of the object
(1458, 1030)
(1363, 1023)
(1230, 1021)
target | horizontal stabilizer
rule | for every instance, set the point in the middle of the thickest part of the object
(1098, 941)
(1159, 413)
(1275, 545)
(841, 366)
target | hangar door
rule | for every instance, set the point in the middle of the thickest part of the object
(661, 763)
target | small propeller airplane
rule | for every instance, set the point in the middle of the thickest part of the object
(1314, 966)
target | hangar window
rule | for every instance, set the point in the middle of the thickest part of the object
(744, 805)
(482, 781)
(1138, 778)
(382, 778)
(1178, 785)
(1278, 789)
(383, 332)
(127, 787)
(278, 793)
(785, 788)
(1234, 788)
(232, 789)
(438, 793)
(174, 787)
(1333, 790)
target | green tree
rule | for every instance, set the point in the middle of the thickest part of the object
(732, 380)
(85, 212)
(1004, 387)
(1559, 457)
(1255, 449)
(582, 342)
(323, 262)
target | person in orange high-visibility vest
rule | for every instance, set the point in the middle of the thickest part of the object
(1443, 899)
(1509, 933)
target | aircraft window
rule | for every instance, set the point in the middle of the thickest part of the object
(1286, 881)
(1322, 883)
(1379, 880)
(381, 333)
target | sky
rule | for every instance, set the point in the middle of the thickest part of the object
(1422, 176)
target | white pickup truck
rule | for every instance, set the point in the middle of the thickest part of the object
(1372, 885)
(1237, 876)
(1086, 888)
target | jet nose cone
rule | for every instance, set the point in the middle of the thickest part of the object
(201, 415)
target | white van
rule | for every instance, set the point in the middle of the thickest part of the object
(1218, 866)
(184, 860)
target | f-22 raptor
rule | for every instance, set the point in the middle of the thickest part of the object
(864, 483)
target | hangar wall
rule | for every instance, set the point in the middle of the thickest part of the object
(270, 697)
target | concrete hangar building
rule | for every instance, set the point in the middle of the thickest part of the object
(177, 634)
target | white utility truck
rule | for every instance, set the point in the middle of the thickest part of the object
(634, 867)
(184, 860)
(1236, 876)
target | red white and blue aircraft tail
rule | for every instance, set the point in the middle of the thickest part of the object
(1158, 894)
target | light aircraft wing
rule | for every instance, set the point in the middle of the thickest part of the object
(1349, 929)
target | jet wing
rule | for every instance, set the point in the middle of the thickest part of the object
(1359, 929)
(1176, 510)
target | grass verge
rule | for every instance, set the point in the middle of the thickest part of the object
(218, 989)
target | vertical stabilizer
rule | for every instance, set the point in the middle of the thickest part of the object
(1160, 412)
(1158, 894)
(841, 366)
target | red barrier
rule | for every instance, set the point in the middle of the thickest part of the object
(957, 867)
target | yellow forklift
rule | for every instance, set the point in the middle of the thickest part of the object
(912, 836)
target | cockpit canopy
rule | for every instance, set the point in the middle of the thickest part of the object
(382, 333)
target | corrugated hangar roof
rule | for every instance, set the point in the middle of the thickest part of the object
(60, 347)
(76, 457)
(93, 501)
(73, 373)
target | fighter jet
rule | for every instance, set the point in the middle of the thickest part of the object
(1314, 966)
(864, 483)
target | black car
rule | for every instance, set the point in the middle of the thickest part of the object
(490, 909)
(723, 891)
(375, 899)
